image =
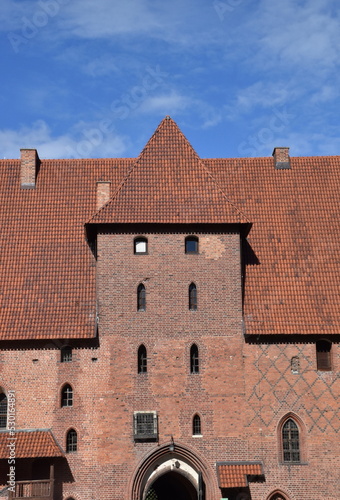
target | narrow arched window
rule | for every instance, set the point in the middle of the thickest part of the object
(194, 359)
(295, 364)
(71, 441)
(140, 245)
(67, 396)
(3, 411)
(142, 359)
(196, 425)
(290, 442)
(191, 244)
(277, 496)
(141, 297)
(323, 355)
(192, 297)
(66, 354)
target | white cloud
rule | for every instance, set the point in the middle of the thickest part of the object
(93, 140)
(165, 104)
(295, 33)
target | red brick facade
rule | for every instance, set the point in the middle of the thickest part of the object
(267, 420)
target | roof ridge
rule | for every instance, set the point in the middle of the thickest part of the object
(222, 191)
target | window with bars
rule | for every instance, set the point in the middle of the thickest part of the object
(141, 297)
(140, 245)
(3, 411)
(67, 396)
(66, 354)
(71, 441)
(192, 297)
(142, 359)
(290, 442)
(194, 359)
(145, 426)
(191, 244)
(323, 355)
(196, 425)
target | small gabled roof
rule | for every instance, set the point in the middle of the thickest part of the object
(35, 443)
(238, 474)
(169, 183)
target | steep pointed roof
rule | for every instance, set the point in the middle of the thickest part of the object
(169, 183)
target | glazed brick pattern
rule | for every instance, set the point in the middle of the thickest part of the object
(54, 288)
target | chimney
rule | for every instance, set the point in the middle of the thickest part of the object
(30, 163)
(103, 193)
(281, 158)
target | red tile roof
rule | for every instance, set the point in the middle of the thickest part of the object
(47, 267)
(236, 475)
(292, 266)
(30, 444)
(169, 183)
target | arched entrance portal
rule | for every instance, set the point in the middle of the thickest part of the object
(172, 486)
(176, 472)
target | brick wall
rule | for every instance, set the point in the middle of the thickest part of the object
(242, 391)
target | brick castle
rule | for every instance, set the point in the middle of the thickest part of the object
(170, 326)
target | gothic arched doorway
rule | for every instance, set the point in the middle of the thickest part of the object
(173, 471)
(170, 486)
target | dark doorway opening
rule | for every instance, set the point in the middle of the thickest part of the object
(172, 486)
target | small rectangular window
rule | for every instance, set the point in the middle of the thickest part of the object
(145, 426)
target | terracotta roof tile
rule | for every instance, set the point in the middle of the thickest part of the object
(30, 444)
(292, 260)
(169, 183)
(47, 268)
(236, 475)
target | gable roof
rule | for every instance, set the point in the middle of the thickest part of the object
(292, 257)
(30, 444)
(169, 183)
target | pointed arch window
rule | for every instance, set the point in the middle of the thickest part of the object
(277, 496)
(141, 297)
(323, 355)
(140, 245)
(192, 297)
(191, 244)
(196, 425)
(290, 442)
(142, 359)
(71, 441)
(67, 396)
(194, 359)
(3, 411)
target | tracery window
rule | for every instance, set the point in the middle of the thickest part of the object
(290, 442)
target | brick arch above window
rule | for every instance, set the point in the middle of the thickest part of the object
(291, 435)
(71, 441)
(277, 495)
(66, 396)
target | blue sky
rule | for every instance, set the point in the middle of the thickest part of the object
(93, 78)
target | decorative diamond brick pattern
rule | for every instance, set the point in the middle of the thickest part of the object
(310, 392)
